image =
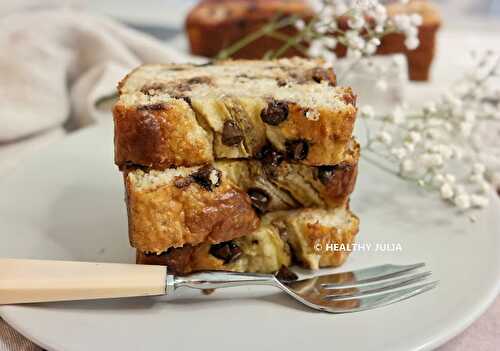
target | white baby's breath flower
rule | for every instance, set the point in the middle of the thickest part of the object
(450, 178)
(300, 24)
(462, 201)
(397, 116)
(438, 180)
(484, 187)
(412, 42)
(414, 137)
(354, 40)
(399, 152)
(356, 21)
(446, 191)
(407, 167)
(466, 128)
(315, 49)
(416, 19)
(479, 201)
(329, 42)
(409, 146)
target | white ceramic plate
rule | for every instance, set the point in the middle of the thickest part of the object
(67, 203)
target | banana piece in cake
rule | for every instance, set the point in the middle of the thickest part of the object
(262, 251)
(219, 202)
(280, 236)
(319, 237)
(188, 115)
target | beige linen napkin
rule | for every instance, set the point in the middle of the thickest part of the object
(54, 66)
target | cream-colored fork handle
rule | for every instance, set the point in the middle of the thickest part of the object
(23, 281)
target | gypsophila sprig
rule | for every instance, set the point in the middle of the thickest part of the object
(434, 146)
(358, 25)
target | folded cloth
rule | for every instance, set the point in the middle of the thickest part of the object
(55, 64)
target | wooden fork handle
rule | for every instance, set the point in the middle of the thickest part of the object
(24, 281)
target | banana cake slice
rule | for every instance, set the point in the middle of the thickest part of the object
(218, 202)
(187, 115)
(302, 234)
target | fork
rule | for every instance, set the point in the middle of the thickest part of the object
(26, 281)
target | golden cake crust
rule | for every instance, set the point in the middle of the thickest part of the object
(172, 216)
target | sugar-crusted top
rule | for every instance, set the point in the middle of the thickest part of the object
(302, 81)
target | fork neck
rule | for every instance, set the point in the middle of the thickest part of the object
(222, 279)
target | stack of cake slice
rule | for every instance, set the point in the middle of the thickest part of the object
(237, 165)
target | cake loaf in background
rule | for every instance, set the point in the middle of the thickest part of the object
(213, 25)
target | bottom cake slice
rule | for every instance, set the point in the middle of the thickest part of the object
(312, 238)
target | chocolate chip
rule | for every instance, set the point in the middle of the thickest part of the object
(152, 89)
(349, 99)
(275, 112)
(182, 182)
(200, 80)
(260, 199)
(151, 107)
(207, 177)
(281, 82)
(231, 133)
(207, 291)
(322, 74)
(297, 149)
(182, 87)
(227, 251)
(255, 242)
(286, 275)
(325, 173)
(270, 156)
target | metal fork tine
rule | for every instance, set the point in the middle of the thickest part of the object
(386, 286)
(378, 289)
(371, 302)
(374, 275)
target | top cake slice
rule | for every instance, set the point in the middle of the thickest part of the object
(186, 115)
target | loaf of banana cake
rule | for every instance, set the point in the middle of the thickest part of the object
(214, 25)
(187, 115)
(314, 238)
(222, 201)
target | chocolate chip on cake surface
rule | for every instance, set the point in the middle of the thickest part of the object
(297, 149)
(231, 133)
(281, 82)
(319, 75)
(270, 156)
(286, 275)
(275, 113)
(151, 107)
(200, 80)
(207, 177)
(227, 251)
(326, 173)
(260, 199)
(152, 88)
(349, 99)
(182, 182)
